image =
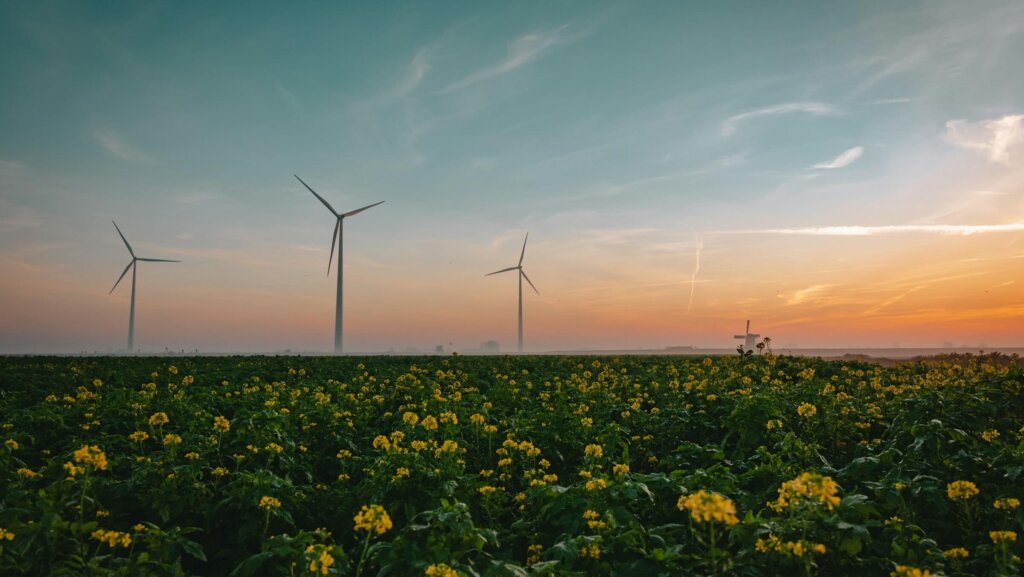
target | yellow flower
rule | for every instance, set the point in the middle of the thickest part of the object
(157, 419)
(620, 469)
(267, 503)
(372, 518)
(592, 551)
(990, 435)
(410, 419)
(1007, 503)
(807, 488)
(595, 451)
(139, 436)
(381, 442)
(112, 538)
(596, 484)
(487, 490)
(773, 424)
(402, 472)
(219, 472)
(440, 570)
(27, 473)
(171, 439)
(998, 537)
(91, 456)
(5, 534)
(429, 423)
(476, 419)
(956, 553)
(320, 560)
(705, 507)
(12, 444)
(961, 490)
(192, 456)
(907, 571)
(221, 424)
(806, 410)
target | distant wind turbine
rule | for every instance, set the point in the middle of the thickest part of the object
(337, 236)
(131, 265)
(522, 275)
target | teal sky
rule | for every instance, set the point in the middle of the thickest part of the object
(630, 139)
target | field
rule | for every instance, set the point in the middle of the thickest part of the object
(510, 466)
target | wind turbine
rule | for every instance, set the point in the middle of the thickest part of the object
(749, 339)
(522, 275)
(131, 265)
(337, 237)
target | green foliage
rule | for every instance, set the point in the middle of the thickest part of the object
(507, 466)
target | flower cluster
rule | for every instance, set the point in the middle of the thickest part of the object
(112, 538)
(267, 503)
(158, 419)
(372, 518)
(1006, 504)
(319, 559)
(91, 456)
(907, 571)
(773, 544)
(961, 490)
(807, 488)
(998, 537)
(705, 507)
(221, 424)
(806, 410)
(440, 570)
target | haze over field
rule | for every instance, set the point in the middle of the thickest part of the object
(844, 174)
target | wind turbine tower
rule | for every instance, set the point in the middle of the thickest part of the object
(337, 237)
(132, 265)
(522, 275)
(749, 339)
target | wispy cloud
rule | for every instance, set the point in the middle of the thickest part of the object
(115, 146)
(847, 158)
(944, 229)
(995, 138)
(731, 124)
(521, 51)
(893, 300)
(805, 294)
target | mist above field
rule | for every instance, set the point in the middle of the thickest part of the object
(842, 175)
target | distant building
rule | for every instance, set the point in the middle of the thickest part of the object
(490, 347)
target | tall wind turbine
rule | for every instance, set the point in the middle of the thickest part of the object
(749, 339)
(522, 275)
(131, 265)
(337, 236)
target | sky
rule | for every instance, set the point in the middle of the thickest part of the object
(843, 174)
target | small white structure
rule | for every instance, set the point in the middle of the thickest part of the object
(749, 339)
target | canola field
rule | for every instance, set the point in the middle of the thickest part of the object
(510, 466)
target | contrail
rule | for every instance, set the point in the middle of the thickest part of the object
(944, 229)
(699, 246)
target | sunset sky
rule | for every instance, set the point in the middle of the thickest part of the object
(844, 174)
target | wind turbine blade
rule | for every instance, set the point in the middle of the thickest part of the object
(130, 251)
(156, 260)
(334, 238)
(329, 207)
(122, 276)
(522, 254)
(502, 270)
(522, 272)
(358, 210)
